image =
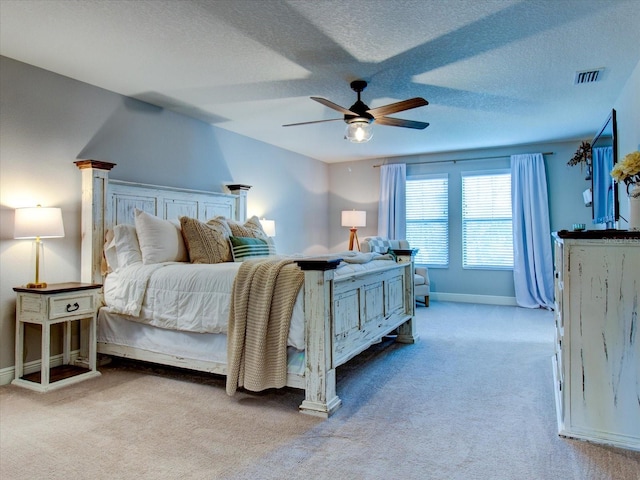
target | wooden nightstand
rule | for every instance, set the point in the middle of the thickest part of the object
(56, 303)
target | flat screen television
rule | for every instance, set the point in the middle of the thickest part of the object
(604, 155)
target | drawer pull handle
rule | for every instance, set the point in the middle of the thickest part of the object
(72, 308)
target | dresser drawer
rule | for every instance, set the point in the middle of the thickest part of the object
(72, 305)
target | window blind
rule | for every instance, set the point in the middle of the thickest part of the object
(487, 234)
(428, 218)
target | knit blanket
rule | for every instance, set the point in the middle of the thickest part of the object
(262, 300)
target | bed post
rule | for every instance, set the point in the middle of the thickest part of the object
(407, 331)
(320, 374)
(241, 202)
(95, 179)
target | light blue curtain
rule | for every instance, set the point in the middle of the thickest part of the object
(532, 260)
(392, 207)
(603, 211)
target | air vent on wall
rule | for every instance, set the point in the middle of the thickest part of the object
(588, 76)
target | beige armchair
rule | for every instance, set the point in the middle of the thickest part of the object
(421, 285)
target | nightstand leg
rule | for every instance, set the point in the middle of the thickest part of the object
(46, 342)
(85, 344)
(66, 349)
(92, 344)
(19, 350)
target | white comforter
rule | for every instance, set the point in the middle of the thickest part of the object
(196, 297)
(182, 296)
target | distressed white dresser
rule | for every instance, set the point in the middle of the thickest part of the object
(597, 358)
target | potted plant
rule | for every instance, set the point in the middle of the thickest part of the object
(582, 157)
(628, 171)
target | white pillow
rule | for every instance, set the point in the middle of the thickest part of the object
(122, 247)
(110, 254)
(127, 246)
(160, 240)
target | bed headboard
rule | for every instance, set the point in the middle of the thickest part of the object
(164, 202)
(106, 203)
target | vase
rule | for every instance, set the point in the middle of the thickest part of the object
(634, 208)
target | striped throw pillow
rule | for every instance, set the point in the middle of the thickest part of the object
(247, 248)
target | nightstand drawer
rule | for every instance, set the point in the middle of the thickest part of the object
(66, 306)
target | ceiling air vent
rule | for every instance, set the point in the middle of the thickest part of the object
(588, 76)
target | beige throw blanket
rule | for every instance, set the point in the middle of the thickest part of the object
(262, 300)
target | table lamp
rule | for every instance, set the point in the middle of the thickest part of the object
(38, 223)
(269, 227)
(354, 219)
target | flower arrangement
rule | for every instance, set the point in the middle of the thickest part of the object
(582, 155)
(628, 171)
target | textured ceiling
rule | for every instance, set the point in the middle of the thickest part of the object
(495, 72)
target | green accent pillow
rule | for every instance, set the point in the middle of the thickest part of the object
(247, 248)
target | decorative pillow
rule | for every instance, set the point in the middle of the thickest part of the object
(109, 257)
(121, 247)
(206, 242)
(247, 248)
(379, 245)
(127, 245)
(160, 240)
(271, 243)
(251, 228)
(220, 222)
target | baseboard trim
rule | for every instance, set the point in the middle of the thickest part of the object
(8, 374)
(468, 298)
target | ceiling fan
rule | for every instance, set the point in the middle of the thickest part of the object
(359, 116)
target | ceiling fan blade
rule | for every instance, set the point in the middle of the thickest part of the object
(399, 122)
(398, 107)
(315, 121)
(334, 106)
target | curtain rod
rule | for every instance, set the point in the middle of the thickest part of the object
(460, 160)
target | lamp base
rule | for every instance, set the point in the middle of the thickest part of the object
(36, 285)
(353, 238)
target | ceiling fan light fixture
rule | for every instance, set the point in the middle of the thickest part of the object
(359, 116)
(359, 131)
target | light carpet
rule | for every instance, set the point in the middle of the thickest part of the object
(472, 399)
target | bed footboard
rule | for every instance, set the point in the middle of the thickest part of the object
(346, 316)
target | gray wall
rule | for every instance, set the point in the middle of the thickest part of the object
(565, 203)
(48, 121)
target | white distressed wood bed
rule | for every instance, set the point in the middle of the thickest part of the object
(342, 317)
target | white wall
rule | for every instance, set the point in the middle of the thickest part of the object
(48, 121)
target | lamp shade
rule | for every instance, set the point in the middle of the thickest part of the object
(354, 218)
(359, 131)
(269, 227)
(34, 222)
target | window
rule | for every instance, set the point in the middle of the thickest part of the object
(428, 218)
(487, 235)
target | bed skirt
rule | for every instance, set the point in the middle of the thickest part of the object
(116, 330)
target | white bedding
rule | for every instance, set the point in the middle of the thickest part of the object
(195, 297)
(182, 296)
(207, 347)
